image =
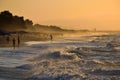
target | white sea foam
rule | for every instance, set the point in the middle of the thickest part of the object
(61, 60)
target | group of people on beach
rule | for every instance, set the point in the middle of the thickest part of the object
(14, 41)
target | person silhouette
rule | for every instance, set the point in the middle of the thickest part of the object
(18, 40)
(14, 41)
(51, 37)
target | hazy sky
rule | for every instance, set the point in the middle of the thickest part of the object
(70, 14)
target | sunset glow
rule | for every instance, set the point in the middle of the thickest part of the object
(70, 14)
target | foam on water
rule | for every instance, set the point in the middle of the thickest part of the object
(62, 60)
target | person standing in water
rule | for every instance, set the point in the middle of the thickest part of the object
(51, 37)
(18, 40)
(14, 41)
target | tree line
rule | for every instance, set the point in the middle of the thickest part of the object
(10, 22)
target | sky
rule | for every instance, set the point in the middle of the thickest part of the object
(68, 14)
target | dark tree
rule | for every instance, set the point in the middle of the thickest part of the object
(6, 18)
(9, 22)
(19, 21)
(28, 22)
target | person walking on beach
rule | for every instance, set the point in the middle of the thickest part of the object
(14, 42)
(18, 40)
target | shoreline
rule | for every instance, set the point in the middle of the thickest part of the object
(65, 37)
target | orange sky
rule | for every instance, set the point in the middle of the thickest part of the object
(70, 14)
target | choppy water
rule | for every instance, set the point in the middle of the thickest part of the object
(69, 59)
